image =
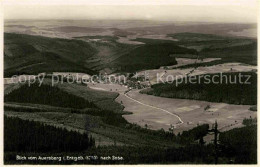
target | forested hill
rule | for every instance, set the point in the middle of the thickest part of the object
(35, 54)
(33, 136)
(26, 54)
(47, 95)
(225, 92)
(150, 56)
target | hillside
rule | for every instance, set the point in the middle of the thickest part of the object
(214, 28)
(35, 136)
(187, 36)
(150, 56)
(48, 95)
(235, 145)
(202, 89)
(108, 50)
(35, 54)
(90, 54)
(228, 48)
(242, 53)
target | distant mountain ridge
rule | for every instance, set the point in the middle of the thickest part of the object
(30, 54)
(26, 54)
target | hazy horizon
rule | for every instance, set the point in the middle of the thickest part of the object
(166, 21)
(163, 13)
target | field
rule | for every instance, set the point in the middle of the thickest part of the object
(148, 111)
(158, 75)
(187, 60)
(191, 112)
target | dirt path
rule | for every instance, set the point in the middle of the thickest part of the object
(178, 123)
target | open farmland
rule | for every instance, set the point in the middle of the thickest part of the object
(190, 111)
(148, 111)
(179, 72)
(189, 61)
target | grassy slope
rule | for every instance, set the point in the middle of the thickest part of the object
(153, 41)
(99, 37)
(102, 99)
(48, 95)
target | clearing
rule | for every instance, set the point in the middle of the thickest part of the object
(159, 112)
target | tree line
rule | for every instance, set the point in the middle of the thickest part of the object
(33, 137)
(48, 95)
(226, 92)
(29, 136)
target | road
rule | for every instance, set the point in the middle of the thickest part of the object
(160, 112)
(147, 105)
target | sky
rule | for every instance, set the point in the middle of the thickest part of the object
(241, 11)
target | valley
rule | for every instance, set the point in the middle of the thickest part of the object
(145, 116)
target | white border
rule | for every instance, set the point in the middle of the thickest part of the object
(116, 2)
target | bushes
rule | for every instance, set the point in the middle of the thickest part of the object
(186, 137)
(194, 134)
(253, 108)
(249, 121)
(28, 136)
